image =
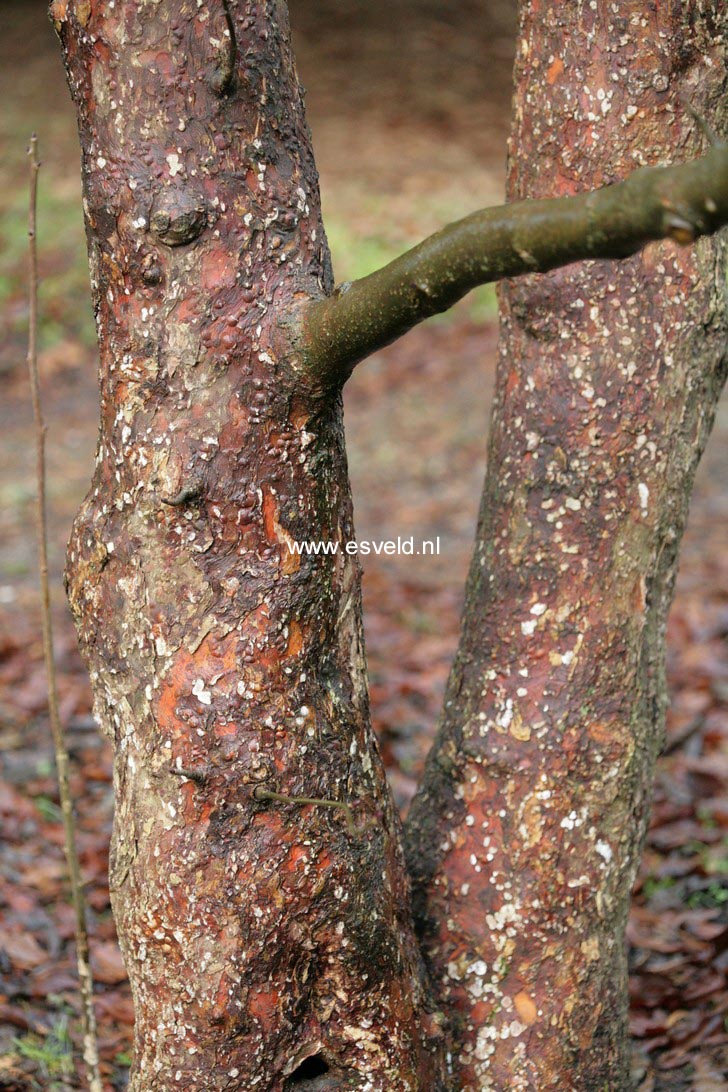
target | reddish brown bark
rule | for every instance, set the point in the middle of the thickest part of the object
(256, 933)
(525, 838)
(261, 931)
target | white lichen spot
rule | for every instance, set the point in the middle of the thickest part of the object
(604, 850)
(644, 493)
(453, 972)
(504, 719)
(199, 691)
(175, 167)
(528, 628)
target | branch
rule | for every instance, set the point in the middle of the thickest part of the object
(678, 202)
(88, 1018)
(261, 793)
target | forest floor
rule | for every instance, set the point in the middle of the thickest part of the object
(408, 101)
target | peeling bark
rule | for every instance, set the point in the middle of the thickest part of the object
(257, 875)
(257, 933)
(525, 838)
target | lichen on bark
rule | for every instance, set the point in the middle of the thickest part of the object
(255, 934)
(525, 837)
(264, 929)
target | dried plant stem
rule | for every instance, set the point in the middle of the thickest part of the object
(261, 793)
(90, 1042)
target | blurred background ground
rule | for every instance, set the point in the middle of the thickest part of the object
(408, 102)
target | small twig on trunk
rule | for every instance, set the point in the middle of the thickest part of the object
(705, 128)
(90, 1042)
(224, 75)
(261, 793)
(199, 776)
(188, 493)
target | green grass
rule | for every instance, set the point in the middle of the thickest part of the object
(355, 255)
(653, 884)
(53, 1055)
(713, 858)
(64, 295)
(714, 895)
(48, 809)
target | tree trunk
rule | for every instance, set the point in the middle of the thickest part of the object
(524, 841)
(257, 876)
(266, 940)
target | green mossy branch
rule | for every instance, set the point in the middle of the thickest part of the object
(678, 202)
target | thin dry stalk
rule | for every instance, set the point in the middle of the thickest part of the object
(90, 1041)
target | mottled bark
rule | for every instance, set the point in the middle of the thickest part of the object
(257, 877)
(257, 933)
(524, 840)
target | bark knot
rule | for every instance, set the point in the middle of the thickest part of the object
(179, 217)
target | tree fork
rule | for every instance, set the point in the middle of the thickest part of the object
(264, 942)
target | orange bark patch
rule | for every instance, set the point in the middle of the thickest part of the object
(295, 639)
(513, 381)
(232, 434)
(226, 731)
(58, 12)
(216, 270)
(554, 70)
(270, 512)
(177, 682)
(213, 658)
(263, 1006)
(298, 853)
(600, 732)
(639, 595)
(277, 535)
(526, 1008)
(300, 414)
